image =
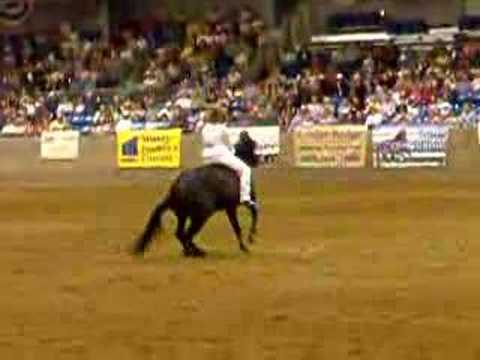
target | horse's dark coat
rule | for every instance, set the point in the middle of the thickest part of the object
(195, 196)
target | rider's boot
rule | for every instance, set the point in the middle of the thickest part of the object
(251, 205)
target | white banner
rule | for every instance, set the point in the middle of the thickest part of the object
(266, 137)
(60, 145)
(404, 146)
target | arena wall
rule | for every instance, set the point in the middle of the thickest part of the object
(20, 160)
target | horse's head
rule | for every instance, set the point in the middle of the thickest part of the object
(245, 149)
(244, 136)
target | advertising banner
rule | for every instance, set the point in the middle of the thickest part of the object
(266, 137)
(149, 149)
(478, 130)
(60, 145)
(331, 146)
(410, 146)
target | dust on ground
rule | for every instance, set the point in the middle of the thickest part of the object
(348, 265)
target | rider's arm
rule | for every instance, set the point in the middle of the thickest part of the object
(226, 139)
(199, 127)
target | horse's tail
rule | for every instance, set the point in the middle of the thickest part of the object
(154, 224)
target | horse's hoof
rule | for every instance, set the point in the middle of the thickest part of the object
(244, 249)
(137, 252)
(195, 253)
(188, 253)
(199, 254)
(251, 239)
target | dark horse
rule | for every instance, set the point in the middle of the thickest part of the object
(194, 197)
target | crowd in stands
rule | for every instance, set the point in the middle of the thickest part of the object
(166, 74)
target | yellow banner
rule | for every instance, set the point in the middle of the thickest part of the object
(331, 146)
(149, 149)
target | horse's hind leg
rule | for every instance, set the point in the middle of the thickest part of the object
(196, 225)
(232, 216)
(180, 234)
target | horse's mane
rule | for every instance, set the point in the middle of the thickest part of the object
(218, 169)
(198, 175)
(218, 166)
(207, 168)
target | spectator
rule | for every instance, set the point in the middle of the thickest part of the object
(175, 66)
(59, 124)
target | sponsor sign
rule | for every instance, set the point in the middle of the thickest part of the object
(410, 146)
(478, 126)
(149, 148)
(331, 146)
(60, 145)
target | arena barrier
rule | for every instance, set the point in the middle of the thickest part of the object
(402, 146)
(266, 137)
(149, 149)
(60, 145)
(397, 147)
(20, 158)
(330, 146)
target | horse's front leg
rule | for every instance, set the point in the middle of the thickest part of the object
(253, 227)
(232, 216)
(254, 214)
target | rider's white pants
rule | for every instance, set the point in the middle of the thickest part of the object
(224, 156)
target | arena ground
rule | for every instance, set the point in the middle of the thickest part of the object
(360, 264)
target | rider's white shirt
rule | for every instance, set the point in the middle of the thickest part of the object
(213, 139)
(216, 149)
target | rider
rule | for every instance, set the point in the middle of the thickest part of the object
(217, 149)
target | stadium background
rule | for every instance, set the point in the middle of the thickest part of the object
(363, 264)
(98, 13)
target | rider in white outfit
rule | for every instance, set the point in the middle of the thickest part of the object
(217, 149)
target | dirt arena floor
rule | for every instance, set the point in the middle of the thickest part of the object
(359, 264)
